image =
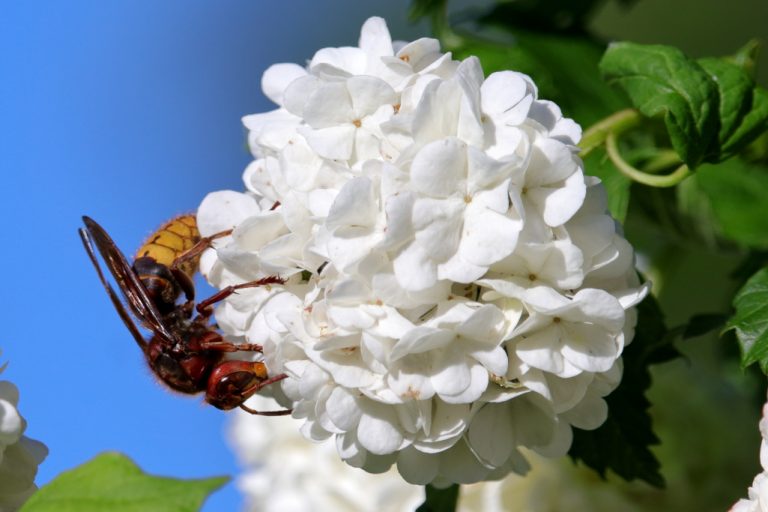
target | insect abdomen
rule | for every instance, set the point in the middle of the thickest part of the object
(171, 240)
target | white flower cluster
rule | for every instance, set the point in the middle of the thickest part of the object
(758, 492)
(19, 455)
(455, 287)
(284, 471)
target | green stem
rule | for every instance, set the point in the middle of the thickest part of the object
(594, 137)
(652, 180)
(664, 159)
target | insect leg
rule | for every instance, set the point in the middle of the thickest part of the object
(225, 346)
(256, 388)
(197, 249)
(212, 340)
(204, 306)
(283, 412)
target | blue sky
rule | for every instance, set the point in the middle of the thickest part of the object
(128, 112)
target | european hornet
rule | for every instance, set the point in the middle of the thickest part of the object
(184, 351)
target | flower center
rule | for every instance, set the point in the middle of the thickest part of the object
(357, 123)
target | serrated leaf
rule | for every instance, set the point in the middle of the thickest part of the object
(751, 319)
(743, 108)
(661, 80)
(622, 443)
(746, 56)
(113, 482)
(440, 500)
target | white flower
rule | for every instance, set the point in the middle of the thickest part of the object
(19, 455)
(758, 491)
(285, 472)
(461, 216)
(456, 291)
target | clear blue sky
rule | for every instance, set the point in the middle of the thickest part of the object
(128, 112)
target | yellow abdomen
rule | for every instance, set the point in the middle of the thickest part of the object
(171, 240)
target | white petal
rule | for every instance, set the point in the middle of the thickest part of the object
(298, 91)
(414, 269)
(355, 205)
(350, 60)
(589, 348)
(335, 142)
(558, 205)
(490, 434)
(377, 432)
(255, 232)
(329, 105)
(541, 349)
(503, 94)
(494, 360)
(460, 465)
(417, 468)
(375, 38)
(478, 383)
(368, 93)
(488, 237)
(343, 409)
(589, 414)
(224, 210)
(458, 269)
(439, 168)
(421, 339)
(452, 375)
(597, 306)
(277, 77)
(484, 325)
(409, 381)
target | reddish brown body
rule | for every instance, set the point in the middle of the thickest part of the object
(185, 352)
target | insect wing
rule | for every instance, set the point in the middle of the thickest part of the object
(128, 282)
(119, 307)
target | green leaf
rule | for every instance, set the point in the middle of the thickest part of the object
(112, 482)
(751, 320)
(616, 184)
(746, 57)
(622, 443)
(743, 108)
(729, 199)
(660, 80)
(440, 500)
